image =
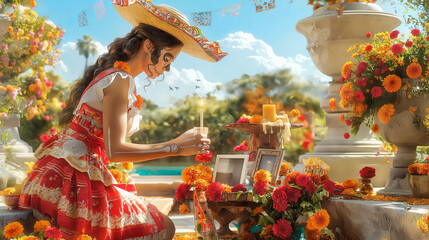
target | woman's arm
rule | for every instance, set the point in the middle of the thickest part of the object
(115, 106)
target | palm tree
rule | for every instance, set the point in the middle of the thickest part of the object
(86, 47)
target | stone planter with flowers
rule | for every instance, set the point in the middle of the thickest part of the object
(386, 88)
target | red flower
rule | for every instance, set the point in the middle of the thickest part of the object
(53, 233)
(367, 172)
(376, 92)
(251, 157)
(214, 191)
(306, 143)
(338, 189)
(377, 71)
(415, 32)
(380, 63)
(243, 120)
(280, 199)
(368, 48)
(306, 182)
(204, 157)
(183, 192)
(348, 123)
(368, 35)
(342, 78)
(394, 34)
(397, 48)
(329, 186)
(346, 135)
(240, 148)
(301, 118)
(259, 187)
(359, 96)
(427, 38)
(282, 229)
(361, 82)
(293, 194)
(239, 187)
(408, 44)
(45, 137)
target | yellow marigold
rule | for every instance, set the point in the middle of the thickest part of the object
(7, 191)
(12, 230)
(262, 176)
(351, 183)
(33, 3)
(226, 188)
(183, 209)
(128, 165)
(392, 83)
(189, 175)
(319, 220)
(386, 112)
(201, 184)
(84, 237)
(332, 104)
(347, 94)
(347, 69)
(286, 168)
(116, 174)
(375, 129)
(255, 119)
(41, 225)
(414, 70)
(295, 113)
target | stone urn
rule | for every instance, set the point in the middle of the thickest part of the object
(329, 35)
(406, 135)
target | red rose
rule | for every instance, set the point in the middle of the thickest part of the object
(214, 191)
(346, 135)
(368, 35)
(415, 32)
(280, 199)
(367, 172)
(183, 192)
(282, 229)
(259, 188)
(204, 157)
(394, 34)
(239, 187)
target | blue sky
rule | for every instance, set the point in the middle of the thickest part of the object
(256, 43)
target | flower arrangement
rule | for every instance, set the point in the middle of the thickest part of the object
(333, 3)
(42, 230)
(367, 172)
(380, 73)
(419, 168)
(30, 42)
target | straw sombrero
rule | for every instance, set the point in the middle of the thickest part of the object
(172, 21)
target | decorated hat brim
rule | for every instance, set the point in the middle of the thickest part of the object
(194, 42)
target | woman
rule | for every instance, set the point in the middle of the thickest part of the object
(70, 184)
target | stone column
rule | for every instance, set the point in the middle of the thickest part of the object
(328, 38)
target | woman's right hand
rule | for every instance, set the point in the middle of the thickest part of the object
(191, 144)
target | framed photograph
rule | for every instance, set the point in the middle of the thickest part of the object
(270, 160)
(230, 169)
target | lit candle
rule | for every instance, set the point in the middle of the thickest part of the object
(269, 112)
(202, 114)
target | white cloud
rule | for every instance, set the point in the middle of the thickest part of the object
(242, 45)
(62, 66)
(71, 45)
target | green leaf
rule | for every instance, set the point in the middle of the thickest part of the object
(238, 194)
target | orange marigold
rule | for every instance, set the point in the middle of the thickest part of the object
(205, 172)
(347, 94)
(332, 104)
(116, 174)
(184, 209)
(414, 70)
(386, 112)
(201, 184)
(342, 117)
(319, 220)
(312, 234)
(12, 230)
(128, 166)
(392, 83)
(285, 168)
(255, 119)
(122, 65)
(84, 237)
(41, 225)
(33, 3)
(139, 102)
(413, 168)
(258, 210)
(262, 176)
(295, 113)
(375, 128)
(189, 175)
(347, 68)
(350, 183)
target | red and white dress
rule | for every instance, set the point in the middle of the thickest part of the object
(71, 185)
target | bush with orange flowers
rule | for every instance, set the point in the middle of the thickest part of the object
(42, 230)
(380, 73)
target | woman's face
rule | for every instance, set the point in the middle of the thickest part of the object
(167, 56)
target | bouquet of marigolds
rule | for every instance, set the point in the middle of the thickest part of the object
(42, 230)
(380, 73)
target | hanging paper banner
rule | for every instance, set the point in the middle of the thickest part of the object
(231, 10)
(202, 18)
(83, 20)
(99, 10)
(262, 5)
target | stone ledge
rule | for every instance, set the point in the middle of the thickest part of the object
(25, 217)
(375, 220)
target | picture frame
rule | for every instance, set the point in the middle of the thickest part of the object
(270, 160)
(231, 169)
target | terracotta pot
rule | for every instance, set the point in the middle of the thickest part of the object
(11, 201)
(419, 185)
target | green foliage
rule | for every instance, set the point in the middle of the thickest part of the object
(415, 13)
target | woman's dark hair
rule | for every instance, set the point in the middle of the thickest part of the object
(121, 49)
